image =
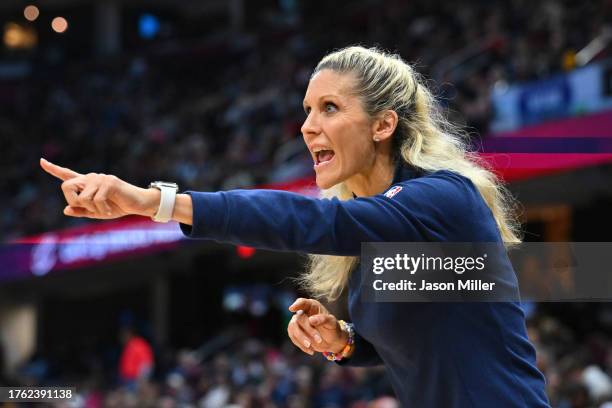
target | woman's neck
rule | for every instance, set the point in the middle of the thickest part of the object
(375, 180)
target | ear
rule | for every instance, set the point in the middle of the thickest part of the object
(384, 125)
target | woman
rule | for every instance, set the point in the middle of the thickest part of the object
(393, 170)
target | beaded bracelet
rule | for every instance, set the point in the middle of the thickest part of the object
(346, 351)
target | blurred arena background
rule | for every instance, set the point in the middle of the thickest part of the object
(208, 94)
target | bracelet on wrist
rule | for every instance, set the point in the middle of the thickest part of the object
(350, 344)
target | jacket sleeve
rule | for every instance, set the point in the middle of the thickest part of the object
(423, 209)
(364, 354)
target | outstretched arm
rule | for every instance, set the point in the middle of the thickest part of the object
(425, 209)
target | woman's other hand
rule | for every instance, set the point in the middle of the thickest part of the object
(102, 196)
(312, 328)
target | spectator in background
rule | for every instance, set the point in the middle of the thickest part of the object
(136, 361)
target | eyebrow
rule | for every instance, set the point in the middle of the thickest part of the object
(321, 97)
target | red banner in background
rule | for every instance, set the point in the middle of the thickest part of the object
(85, 245)
(550, 148)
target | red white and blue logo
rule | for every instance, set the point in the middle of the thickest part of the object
(393, 191)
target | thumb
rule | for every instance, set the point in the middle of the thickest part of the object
(326, 321)
(76, 211)
(301, 304)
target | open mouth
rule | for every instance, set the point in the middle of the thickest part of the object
(323, 157)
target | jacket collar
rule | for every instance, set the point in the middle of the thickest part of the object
(405, 171)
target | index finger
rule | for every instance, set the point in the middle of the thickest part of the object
(61, 173)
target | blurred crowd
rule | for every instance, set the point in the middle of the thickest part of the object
(225, 112)
(574, 352)
(249, 374)
(238, 370)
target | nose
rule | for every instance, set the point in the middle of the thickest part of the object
(311, 126)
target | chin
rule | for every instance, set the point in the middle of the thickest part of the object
(325, 183)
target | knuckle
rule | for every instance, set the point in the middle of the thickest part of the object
(111, 181)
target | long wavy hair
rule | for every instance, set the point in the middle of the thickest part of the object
(424, 138)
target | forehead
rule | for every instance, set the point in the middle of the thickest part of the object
(327, 82)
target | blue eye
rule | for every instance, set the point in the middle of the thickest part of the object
(329, 105)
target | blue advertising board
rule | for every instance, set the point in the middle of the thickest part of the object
(585, 90)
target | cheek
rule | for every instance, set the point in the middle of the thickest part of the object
(354, 155)
(356, 150)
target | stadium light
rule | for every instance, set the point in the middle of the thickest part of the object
(59, 24)
(245, 252)
(31, 12)
(18, 36)
(148, 26)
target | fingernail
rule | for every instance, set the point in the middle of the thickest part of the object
(299, 312)
(318, 338)
(307, 343)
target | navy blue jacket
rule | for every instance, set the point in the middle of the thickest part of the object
(445, 355)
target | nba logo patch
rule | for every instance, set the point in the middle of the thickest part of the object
(393, 191)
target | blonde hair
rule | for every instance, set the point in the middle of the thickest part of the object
(423, 137)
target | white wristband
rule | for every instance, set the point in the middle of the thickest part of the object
(166, 202)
